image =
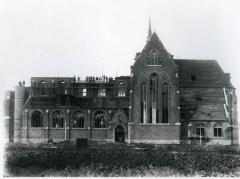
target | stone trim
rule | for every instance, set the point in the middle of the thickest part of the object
(32, 140)
(213, 142)
(34, 128)
(154, 65)
(155, 141)
(177, 124)
(108, 140)
(157, 124)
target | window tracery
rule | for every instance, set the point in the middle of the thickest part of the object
(143, 103)
(154, 58)
(78, 119)
(154, 110)
(100, 119)
(58, 119)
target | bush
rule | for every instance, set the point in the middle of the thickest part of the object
(103, 161)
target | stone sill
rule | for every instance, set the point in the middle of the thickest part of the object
(61, 128)
(154, 65)
(34, 128)
(157, 124)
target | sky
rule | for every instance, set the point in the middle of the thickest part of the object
(84, 38)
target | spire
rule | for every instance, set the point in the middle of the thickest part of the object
(149, 29)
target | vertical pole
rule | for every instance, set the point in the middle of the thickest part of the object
(230, 117)
(130, 116)
(90, 124)
(200, 136)
(189, 133)
(65, 126)
(65, 130)
(69, 127)
(26, 118)
(47, 125)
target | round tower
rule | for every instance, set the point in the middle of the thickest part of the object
(6, 112)
(18, 110)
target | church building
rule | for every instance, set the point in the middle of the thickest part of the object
(163, 101)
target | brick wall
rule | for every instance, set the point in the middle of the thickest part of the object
(162, 133)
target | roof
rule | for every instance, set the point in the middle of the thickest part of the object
(50, 79)
(207, 73)
(212, 112)
(154, 39)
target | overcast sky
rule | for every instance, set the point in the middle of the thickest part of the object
(40, 38)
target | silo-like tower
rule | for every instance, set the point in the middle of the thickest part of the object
(6, 112)
(18, 111)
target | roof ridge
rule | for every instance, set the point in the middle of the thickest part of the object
(193, 59)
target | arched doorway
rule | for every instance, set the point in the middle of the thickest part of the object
(119, 134)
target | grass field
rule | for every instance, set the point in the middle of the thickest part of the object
(112, 159)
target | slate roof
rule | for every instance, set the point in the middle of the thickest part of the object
(208, 73)
(210, 112)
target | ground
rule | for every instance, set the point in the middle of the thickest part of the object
(120, 159)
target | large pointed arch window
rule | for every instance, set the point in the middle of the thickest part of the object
(154, 110)
(100, 119)
(165, 103)
(143, 103)
(37, 119)
(78, 119)
(58, 119)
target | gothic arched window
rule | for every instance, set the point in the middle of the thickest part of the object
(78, 119)
(100, 119)
(154, 58)
(37, 119)
(165, 103)
(122, 89)
(58, 119)
(143, 103)
(154, 109)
